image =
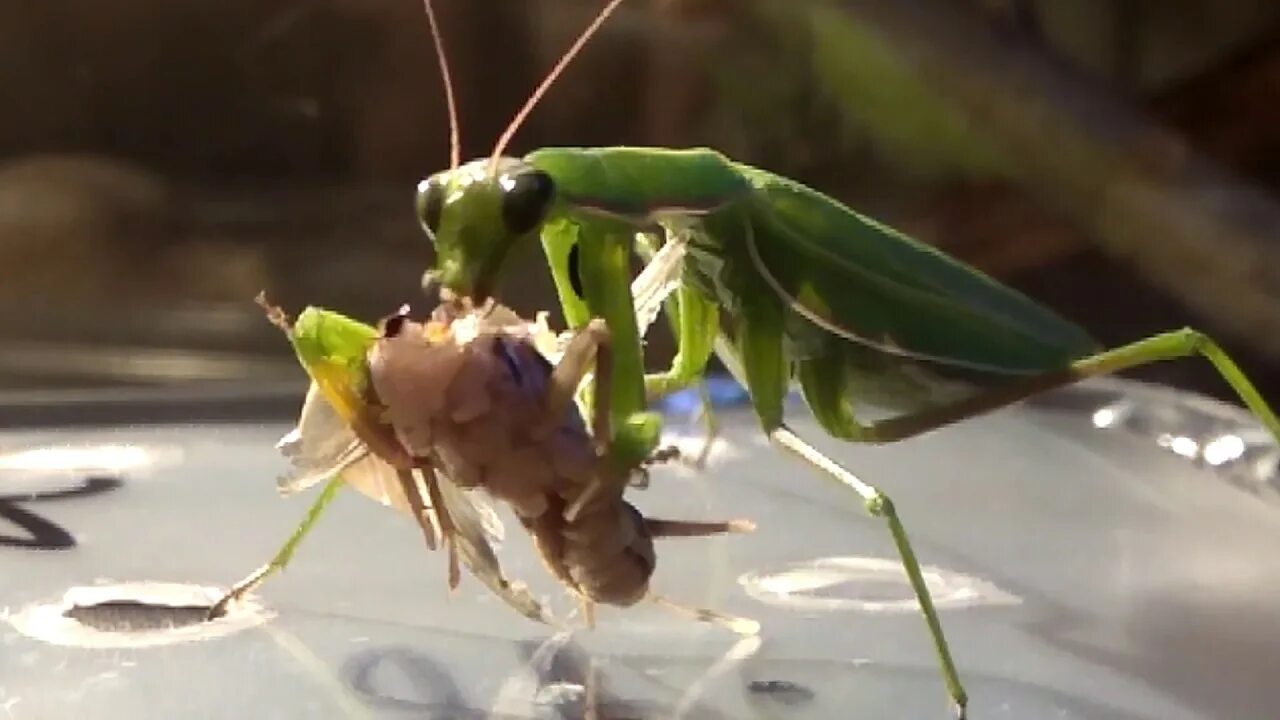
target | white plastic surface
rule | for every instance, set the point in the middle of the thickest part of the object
(1081, 572)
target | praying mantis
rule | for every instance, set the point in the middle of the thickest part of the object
(782, 283)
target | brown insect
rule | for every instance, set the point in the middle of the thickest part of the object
(471, 393)
(467, 404)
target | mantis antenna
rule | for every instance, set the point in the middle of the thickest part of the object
(455, 145)
(549, 80)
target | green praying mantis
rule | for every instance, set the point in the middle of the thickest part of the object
(783, 283)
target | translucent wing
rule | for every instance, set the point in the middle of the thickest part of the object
(323, 445)
(461, 514)
(660, 278)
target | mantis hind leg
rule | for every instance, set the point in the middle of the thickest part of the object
(822, 380)
(697, 322)
(835, 416)
(763, 368)
(879, 505)
(282, 557)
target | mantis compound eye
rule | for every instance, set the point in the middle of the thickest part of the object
(525, 200)
(429, 204)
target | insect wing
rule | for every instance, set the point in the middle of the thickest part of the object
(323, 445)
(660, 278)
(320, 446)
(884, 290)
(472, 531)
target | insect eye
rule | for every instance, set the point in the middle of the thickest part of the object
(393, 325)
(429, 204)
(525, 202)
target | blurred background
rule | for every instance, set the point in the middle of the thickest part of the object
(161, 161)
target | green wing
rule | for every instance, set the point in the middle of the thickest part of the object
(856, 278)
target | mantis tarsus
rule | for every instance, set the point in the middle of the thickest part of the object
(783, 283)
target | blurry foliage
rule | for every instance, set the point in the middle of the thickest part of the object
(192, 151)
(877, 98)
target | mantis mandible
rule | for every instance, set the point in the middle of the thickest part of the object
(783, 283)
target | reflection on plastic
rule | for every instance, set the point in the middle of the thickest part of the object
(556, 678)
(865, 584)
(1211, 434)
(106, 459)
(1205, 431)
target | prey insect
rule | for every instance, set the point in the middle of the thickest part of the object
(483, 401)
(886, 337)
(468, 400)
(341, 440)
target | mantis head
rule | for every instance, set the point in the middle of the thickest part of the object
(476, 214)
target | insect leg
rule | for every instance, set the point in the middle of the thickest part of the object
(588, 607)
(660, 455)
(739, 625)
(281, 559)
(879, 505)
(628, 443)
(762, 370)
(695, 319)
(589, 346)
(658, 528)
(1176, 344)
(448, 531)
(710, 427)
(1166, 346)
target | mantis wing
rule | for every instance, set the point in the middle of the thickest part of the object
(882, 289)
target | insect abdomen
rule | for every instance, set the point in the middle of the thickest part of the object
(610, 554)
(606, 552)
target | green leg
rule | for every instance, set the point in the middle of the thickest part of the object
(840, 422)
(604, 273)
(879, 505)
(630, 442)
(281, 559)
(696, 322)
(589, 346)
(597, 285)
(876, 502)
(1165, 346)
(710, 427)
